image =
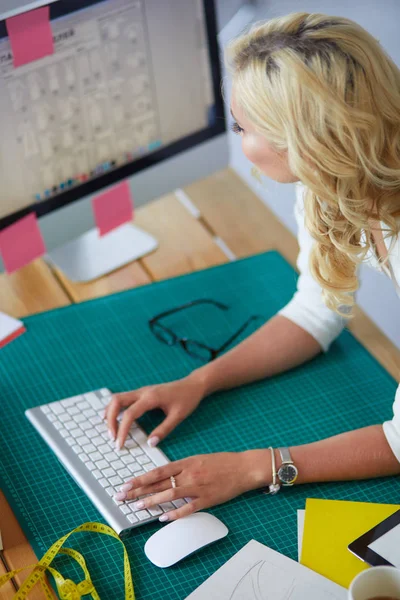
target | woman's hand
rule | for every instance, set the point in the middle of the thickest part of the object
(207, 479)
(178, 399)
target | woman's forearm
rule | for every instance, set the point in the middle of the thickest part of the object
(359, 454)
(278, 346)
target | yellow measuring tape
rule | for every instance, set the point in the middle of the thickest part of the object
(67, 589)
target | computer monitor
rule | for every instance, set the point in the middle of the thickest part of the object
(131, 91)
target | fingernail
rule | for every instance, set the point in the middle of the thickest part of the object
(118, 445)
(153, 441)
(138, 505)
(126, 487)
(120, 496)
(163, 517)
(111, 435)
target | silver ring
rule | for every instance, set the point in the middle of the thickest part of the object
(173, 482)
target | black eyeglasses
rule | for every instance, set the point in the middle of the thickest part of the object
(192, 347)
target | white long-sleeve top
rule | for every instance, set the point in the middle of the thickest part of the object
(308, 310)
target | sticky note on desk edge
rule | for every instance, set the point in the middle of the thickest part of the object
(330, 526)
(113, 208)
(21, 243)
(10, 329)
(30, 35)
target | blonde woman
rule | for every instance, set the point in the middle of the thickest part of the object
(315, 100)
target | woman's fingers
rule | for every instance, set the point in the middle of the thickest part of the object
(113, 409)
(167, 495)
(186, 510)
(170, 422)
(155, 476)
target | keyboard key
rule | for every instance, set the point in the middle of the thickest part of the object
(142, 460)
(139, 473)
(139, 436)
(117, 464)
(105, 393)
(70, 425)
(124, 473)
(96, 456)
(98, 474)
(117, 502)
(94, 401)
(179, 503)
(83, 405)
(89, 448)
(82, 440)
(128, 459)
(85, 425)
(97, 441)
(52, 417)
(129, 444)
(110, 456)
(70, 441)
(79, 418)
(149, 466)
(89, 412)
(101, 464)
(84, 457)
(73, 411)
(134, 467)
(155, 511)
(101, 428)
(136, 452)
(64, 433)
(132, 518)
(76, 433)
(103, 482)
(90, 465)
(110, 491)
(96, 420)
(57, 408)
(115, 480)
(68, 402)
(142, 515)
(103, 449)
(167, 506)
(45, 409)
(76, 449)
(58, 425)
(64, 417)
(109, 472)
(125, 509)
(92, 433)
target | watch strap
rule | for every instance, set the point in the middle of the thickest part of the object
(285, 455)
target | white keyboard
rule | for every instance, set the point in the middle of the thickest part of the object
(75, 430)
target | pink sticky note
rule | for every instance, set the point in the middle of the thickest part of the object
(21, 243)
(113, 208)
(30, 36)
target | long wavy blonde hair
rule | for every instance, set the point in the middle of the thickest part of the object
(323, 89)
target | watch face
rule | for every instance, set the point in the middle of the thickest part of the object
(288, 473)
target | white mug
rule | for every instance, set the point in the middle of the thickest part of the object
(375, 582)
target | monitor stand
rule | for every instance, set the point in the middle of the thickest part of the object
(91, 256)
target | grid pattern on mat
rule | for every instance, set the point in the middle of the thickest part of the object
(107, 343)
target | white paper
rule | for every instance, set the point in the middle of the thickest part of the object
(388, 546)
(301, 515)
(8, 326)
(258, 573)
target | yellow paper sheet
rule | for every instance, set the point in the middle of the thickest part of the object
(330, 526)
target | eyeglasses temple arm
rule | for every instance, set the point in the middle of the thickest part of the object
(238, 332)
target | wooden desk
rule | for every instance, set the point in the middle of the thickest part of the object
(224, 209)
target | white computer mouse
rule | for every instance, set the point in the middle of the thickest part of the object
(182, 537)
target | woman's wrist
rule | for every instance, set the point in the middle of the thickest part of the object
(256, 468)
(204, 378)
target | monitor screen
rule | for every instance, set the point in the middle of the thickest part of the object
(130, 83)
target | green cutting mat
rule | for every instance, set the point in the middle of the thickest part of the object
(107, 343)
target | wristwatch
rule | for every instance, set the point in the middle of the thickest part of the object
(287, 472)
